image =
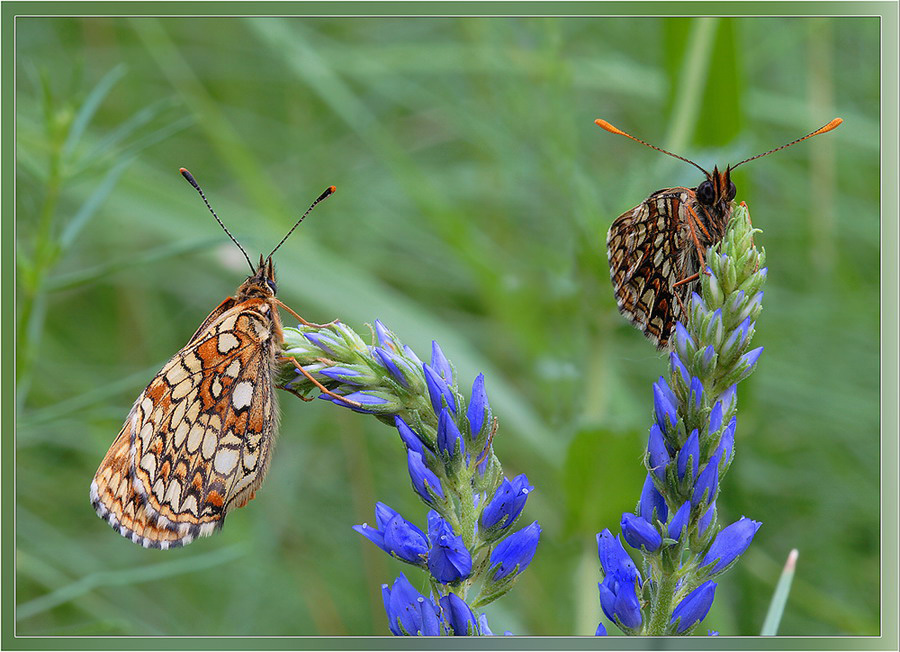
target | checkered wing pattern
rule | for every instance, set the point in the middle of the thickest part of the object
(197, 441)
(649, 252)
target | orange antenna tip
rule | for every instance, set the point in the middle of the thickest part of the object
(834, 124)
(600, 122)
(332, 188)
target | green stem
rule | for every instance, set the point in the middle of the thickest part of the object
(661, 610)
(30, 321)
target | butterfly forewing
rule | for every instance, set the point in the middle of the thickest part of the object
(648, 249)
(197, 441)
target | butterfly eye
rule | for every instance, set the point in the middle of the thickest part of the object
(732, 191)
(706, 194)
(272, 286)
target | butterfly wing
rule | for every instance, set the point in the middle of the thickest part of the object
(647, 256)
(199, 437)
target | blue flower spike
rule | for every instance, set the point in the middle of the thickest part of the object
(452, 467)
(690, 448)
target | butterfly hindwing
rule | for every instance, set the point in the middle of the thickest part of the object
(197, 440)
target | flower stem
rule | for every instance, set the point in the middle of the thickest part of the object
(662, 605)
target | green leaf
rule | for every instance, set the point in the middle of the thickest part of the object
(779, 598)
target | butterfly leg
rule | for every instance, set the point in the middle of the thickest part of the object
(693, 277)
(303, 321)
(315, 382)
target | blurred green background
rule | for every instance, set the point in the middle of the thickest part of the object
(474, 195)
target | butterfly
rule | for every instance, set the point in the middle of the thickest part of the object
(198, 440)
(656, 249)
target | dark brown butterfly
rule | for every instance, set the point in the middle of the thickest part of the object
(656, 249)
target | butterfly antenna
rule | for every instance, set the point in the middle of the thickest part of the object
(615, 130)
(834, 124)
(190, 178)
(325, 195)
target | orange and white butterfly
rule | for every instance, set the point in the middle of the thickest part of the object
(198, 441)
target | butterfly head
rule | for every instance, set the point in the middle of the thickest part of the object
(718, 188)
(261, 283)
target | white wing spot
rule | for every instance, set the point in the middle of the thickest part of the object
(209, 444)
(233, 369)
(243, 393)
(227, 342)
(226, 459)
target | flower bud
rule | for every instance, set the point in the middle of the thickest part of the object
(689, 454)
(684, 343)
(408, 611)
(325, 342)
(657, 453)
(448, 435)
(396, 366)
(440, 363)
(395, 535)
(507, 502)
(730, 544)
(652, 505)
(614, 559)
(638, 532)
(449, 559)
(438, 390)
(707, 519)
(478, 407)
(679, 520)
(409, 437)
(385, 337)
(726, 443)
(707, 483)
(664, 402)
(422, 477)
(515, 552)
(694, 607)
(458, 615)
